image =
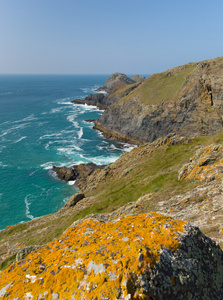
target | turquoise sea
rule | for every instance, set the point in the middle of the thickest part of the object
(40, 127)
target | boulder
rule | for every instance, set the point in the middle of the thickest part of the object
(146, 256)
(74, 199)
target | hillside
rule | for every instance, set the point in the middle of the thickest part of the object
(185, 100)
(126, 235)
(143, 180)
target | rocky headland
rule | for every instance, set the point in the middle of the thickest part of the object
(186, 100)
(117, 86)
(131, 232)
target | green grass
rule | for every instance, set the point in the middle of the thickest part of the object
(161, 87)
(7, 262)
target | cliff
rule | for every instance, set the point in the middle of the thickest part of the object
(186, 100)
(147, 256)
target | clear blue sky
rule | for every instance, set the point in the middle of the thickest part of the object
(106, 36)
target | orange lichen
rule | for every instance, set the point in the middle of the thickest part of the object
(94, 260)
(206, 165)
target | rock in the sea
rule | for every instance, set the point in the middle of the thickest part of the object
(65, 173)
(93, 99)
(76, 172)
(147, 256)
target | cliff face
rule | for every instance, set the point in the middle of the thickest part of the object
(186, 100)
(147, 256)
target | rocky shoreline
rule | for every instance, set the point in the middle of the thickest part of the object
(126, 235)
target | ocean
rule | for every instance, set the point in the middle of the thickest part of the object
(39, 128)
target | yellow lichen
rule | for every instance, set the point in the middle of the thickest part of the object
(95, 259)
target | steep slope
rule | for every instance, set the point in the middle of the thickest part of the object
(186, 100)
(147, 256)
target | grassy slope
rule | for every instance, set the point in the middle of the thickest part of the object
(161, 86)
(156, 173)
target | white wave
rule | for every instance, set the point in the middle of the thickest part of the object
(71, 182)
(2, 165)
(129, 147)
(102, 92)
(71, 119)
(100, 160)
(13, 128)
(65, 199)
(80, 133)
(52, 135)
(19, 140)
(99, 133)
(69, 150)
(64, 101)
(56, 110)
(42, 123)
(26, 119)
(89, 90)
(47, 166)
(27, 203)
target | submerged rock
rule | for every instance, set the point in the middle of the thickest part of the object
(145, 256)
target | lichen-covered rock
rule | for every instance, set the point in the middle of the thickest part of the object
(145, 256)
(207, 164)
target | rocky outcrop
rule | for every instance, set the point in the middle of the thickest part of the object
(93, 99)
(103, 101)
(186, 100)
(114, 80)
(73, 200)
(207, 164)
(138, 78)
(76, 172)
(146, 256)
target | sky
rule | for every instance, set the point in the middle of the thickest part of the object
(106, 36)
